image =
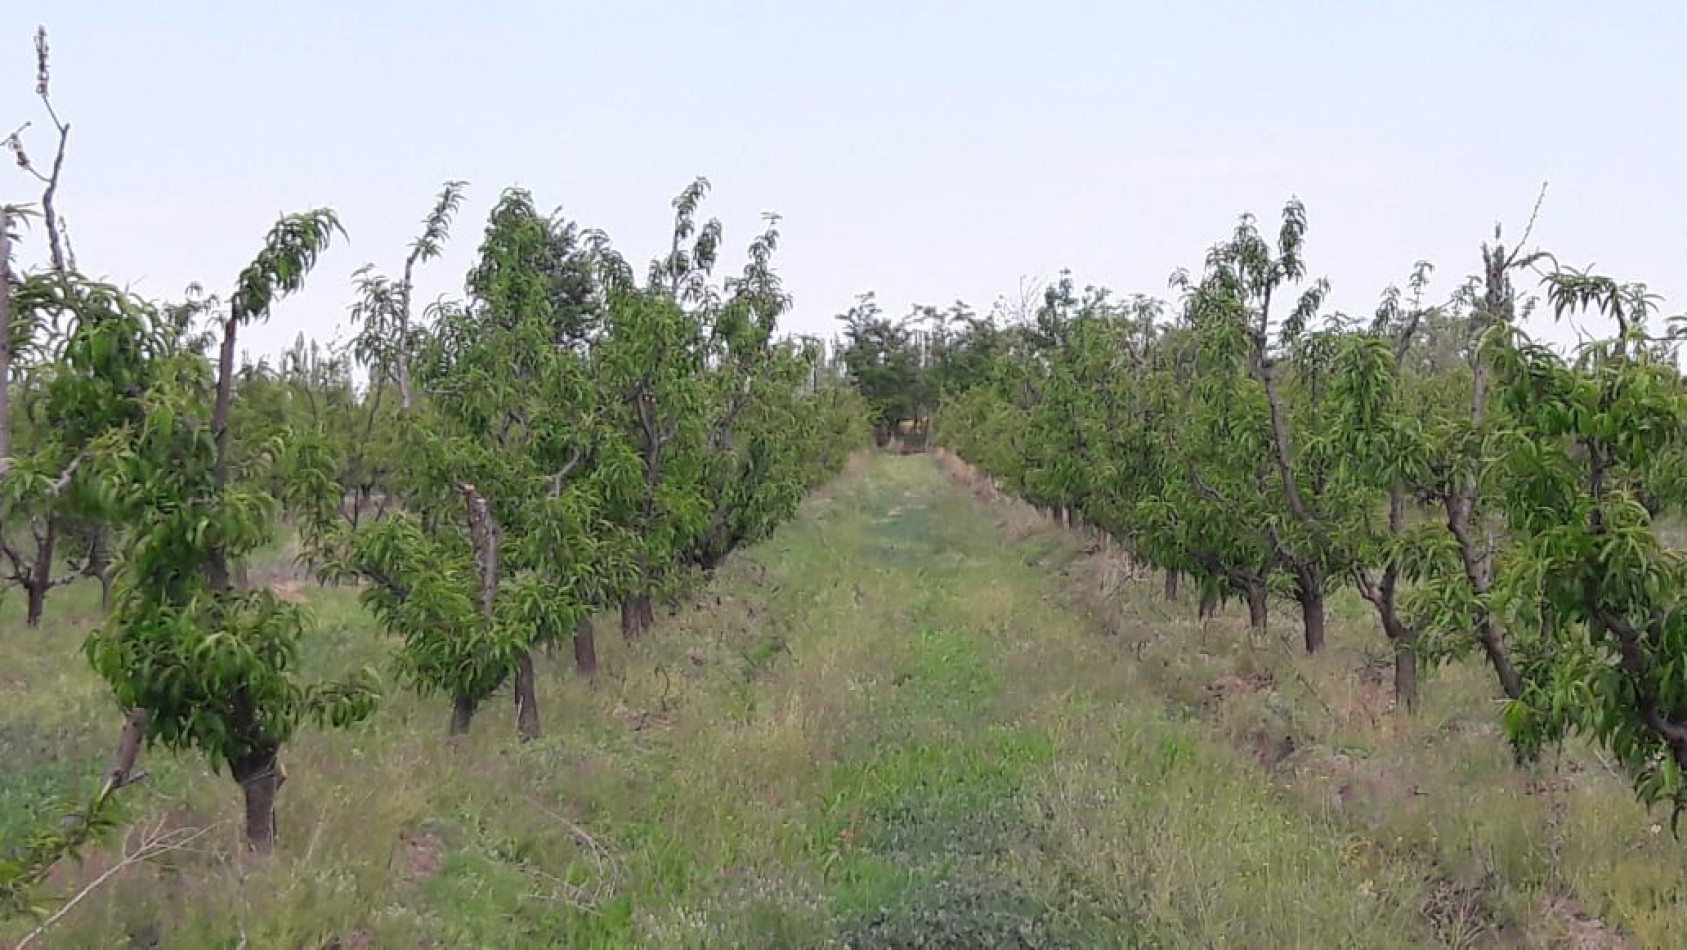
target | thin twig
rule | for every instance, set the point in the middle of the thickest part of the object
(153, 843)
(1529, 229)
(578, 896)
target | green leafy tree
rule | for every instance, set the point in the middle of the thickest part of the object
(1593, 596)
(1379, 430)
(761, 423)
(884, 364)
(215, 668)
(85, 381)
(1231, 308)
(498, 546)
(1446, 454)
(651, 367)
(45, 513)
(384, 310)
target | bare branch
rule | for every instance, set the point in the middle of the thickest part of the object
(585, 897)
(153, 841)
(1528, 229)
(55, 229)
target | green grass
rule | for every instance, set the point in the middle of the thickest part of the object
(909, 718)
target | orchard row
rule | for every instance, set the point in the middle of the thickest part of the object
(566, 439)
(1485, 494)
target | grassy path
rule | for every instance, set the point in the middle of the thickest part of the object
(881, 728)
(939, 754)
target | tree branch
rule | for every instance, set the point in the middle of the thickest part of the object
(20, 571)
(1280, 442)
(563, 473)
(381, 578)
(483, 535)
(1634, 663)
(154, 841)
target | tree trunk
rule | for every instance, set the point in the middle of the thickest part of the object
(99, 565)
(35, 596)
(1402, 638)
(484, 538)
(1312, 619)
(462, 716)
(259, 775)
(585, 647)
(1499, 658)
(1172, 578)
(1406, 673)
(633, 613)
(1257, 610)
(1309, 591)
(1209, 605)
(526, 699)
(41, 573)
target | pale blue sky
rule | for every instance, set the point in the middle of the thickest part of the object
(928, 151)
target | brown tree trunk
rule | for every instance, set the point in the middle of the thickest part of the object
(585, 647)
(462, 716)
(1309, 591)
(1257, 609)
(260, 776)
(1172, 578)
(41, 574)
(1478, 571)
(1511, 682)
(635, 617)
(1312, 620)
(526, 698)
(1402, 638)
(35, 598)
(1406, 673)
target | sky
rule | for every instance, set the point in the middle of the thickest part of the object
(925, 151)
